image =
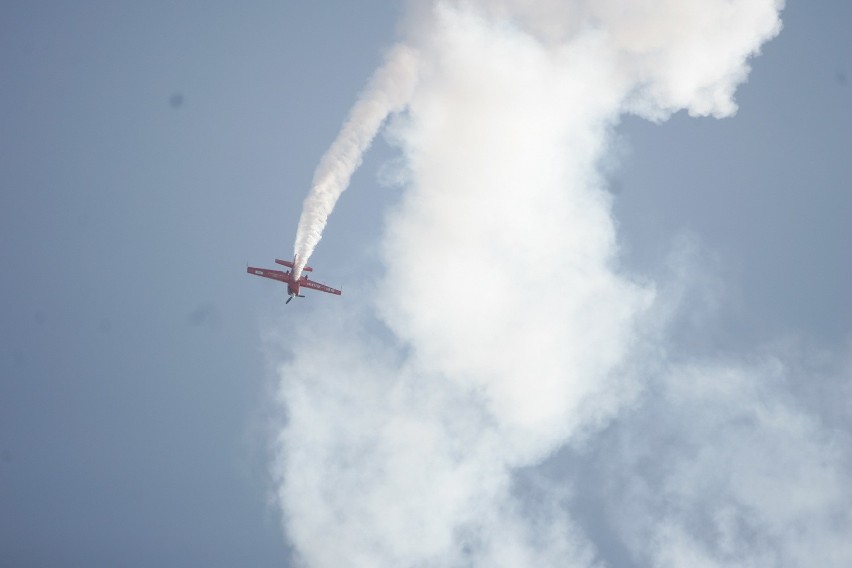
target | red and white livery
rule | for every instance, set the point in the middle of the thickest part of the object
(293, 285)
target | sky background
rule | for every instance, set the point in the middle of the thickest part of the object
(150, 151)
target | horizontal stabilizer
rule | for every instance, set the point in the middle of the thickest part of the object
(289, 264)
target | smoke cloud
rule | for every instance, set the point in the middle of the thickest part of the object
(512, 399)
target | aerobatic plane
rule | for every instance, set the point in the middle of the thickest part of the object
(293, 285)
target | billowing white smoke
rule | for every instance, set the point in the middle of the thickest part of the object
(388, 91)
(512, 333)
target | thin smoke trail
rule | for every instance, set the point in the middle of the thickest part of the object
(387, 92)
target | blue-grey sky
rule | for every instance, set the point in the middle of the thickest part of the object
(131, 368)
(769, 190)
(150, 151)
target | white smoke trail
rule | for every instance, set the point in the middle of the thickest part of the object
(387, 92)
(515, 334)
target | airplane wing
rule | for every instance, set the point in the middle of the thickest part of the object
(266, 273)
(305, 283)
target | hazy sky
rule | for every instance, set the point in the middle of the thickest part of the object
(157, 403)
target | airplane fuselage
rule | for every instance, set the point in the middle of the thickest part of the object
(292, 285)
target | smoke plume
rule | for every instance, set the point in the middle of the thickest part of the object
(388, 91)
(511, 401)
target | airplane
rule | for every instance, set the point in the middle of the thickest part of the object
(293, 285)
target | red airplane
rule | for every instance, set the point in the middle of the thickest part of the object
(287, 277)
